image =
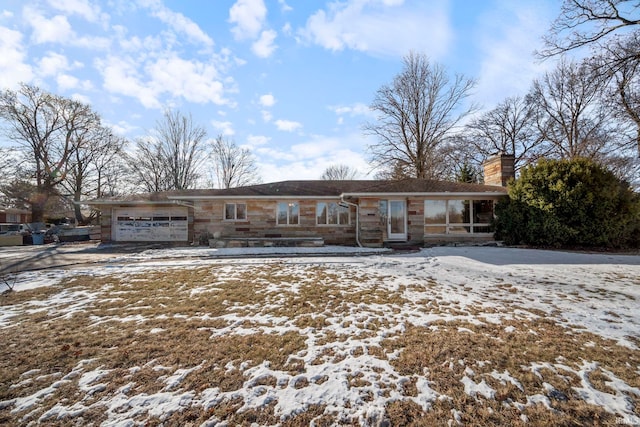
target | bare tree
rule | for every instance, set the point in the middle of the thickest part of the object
(148, 166)
(570, 117)
(591, 23)
(339, 172)
(611, 29)
(417, 112)
(509, 128)
(45, 126)
(182, 146)
(86, 175)
(624, 92)
(233, 166)
(172, 157)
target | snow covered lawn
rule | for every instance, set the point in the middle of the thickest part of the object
(470, 336)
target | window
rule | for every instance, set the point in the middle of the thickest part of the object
(288, 213)
(383, 211)
(332, 214)
(12, 217)
(235, 212)
(458, 216)
(482, 216)
(435, 211)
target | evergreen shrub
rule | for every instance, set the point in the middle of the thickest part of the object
(569, 203)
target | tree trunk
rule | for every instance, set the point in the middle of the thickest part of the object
(38, 205)
(76, 208)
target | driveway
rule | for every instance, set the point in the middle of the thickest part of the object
(37, 257)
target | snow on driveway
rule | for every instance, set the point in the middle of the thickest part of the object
(350, 364)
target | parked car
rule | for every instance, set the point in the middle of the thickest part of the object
(14, 229)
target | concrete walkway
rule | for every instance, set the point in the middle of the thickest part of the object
(16, 259)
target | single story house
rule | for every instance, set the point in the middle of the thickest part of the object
(14, 215)
(370, 213)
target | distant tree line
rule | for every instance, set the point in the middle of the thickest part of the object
(64, 154)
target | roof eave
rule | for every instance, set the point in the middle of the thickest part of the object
(129, 202)
(248, 197)
(430, 194)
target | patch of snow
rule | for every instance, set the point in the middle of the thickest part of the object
(174, 380)
(541, 399)
(505, 377)
(618, 403)
(473, 389)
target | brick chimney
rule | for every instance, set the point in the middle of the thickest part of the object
(499, 169)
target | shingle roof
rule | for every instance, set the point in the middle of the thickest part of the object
(317, 188)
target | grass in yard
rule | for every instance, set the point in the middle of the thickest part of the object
(448, 354)
(221, 324)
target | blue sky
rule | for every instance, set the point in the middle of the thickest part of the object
(289, 79)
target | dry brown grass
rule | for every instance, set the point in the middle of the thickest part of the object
(179, 319)
(446, 353)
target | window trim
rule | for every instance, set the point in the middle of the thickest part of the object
(288, 223)
(235, 212)
(340, 208)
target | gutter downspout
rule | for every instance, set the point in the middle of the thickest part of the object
(342, 201)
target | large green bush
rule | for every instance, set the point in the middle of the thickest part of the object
(565, 203)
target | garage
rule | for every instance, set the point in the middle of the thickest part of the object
(170, 224)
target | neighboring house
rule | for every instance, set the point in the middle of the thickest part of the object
(14, 216)
(367, 212)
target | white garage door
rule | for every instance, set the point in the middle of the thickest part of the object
(150, 225)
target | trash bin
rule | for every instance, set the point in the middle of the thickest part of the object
(38, 237)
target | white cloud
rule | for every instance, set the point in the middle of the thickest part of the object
(58, 30)
(195, 81)
(381, 27)
(225, 128)
(13, 69)
(249, 17)
(121, 77)
(122, 128)
(284, 6)
(266, 116)
(287, 125)
(66, 82)
(88, 11)
(507, 39)
(257, 140)
(52, 64)
(357, 109)
(265, 46)
(93, 43)
(178, 22)
(54, 30)
(309, 159)
(81, 98)
(267, 100)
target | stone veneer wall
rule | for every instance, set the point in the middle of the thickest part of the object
(372, 232)
(105, 224)
(261, 222)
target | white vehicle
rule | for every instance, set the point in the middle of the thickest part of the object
(14, 229)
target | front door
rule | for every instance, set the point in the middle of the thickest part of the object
(397, 220)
